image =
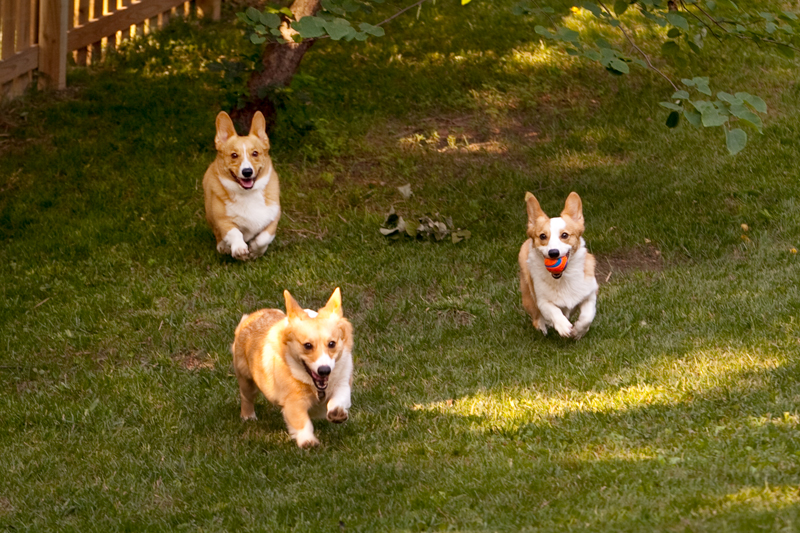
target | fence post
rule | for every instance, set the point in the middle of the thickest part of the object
(210, 8)
(53, 43)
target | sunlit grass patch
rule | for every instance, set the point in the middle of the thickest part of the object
(668, 381)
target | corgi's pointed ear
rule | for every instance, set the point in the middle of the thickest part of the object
(225, 129)
(259, 127)
(293, 309)
(334, 305)
(573, 208)
(534, 209)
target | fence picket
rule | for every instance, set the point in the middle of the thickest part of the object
(38, 34)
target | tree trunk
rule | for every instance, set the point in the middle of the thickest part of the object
(280, 62)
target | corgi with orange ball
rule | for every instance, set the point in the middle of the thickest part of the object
(302, 361)
(556, 270)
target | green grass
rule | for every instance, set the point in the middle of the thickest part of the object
(677, 412)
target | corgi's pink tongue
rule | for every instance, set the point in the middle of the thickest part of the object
(319, 381)
(247, 183)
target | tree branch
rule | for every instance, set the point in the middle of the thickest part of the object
(641, 52)
(412, 6)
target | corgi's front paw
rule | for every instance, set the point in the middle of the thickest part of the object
(305, 441)
(564, 328)
(579, 331)
(540, 324)
(337, 415)
(240, 252)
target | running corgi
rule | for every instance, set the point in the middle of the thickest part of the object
(302, 361)
(556, 271)
(242, 191)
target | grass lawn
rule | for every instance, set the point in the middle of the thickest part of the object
(677, 412)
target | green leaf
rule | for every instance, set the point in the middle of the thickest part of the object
(731, 99)
(619, 65)
(680, 95)
(687, 82)
(593, 55)
(673, 33)
(253, 14)
(670, 105)
(257, 39)
(702, 85)
(338, 28)
(566, 34)
(736, 140)
(743, 113)
(377, 31)
(310, 27)
(593, 8)
(620, 6)
(710, 4)
(754, 101)
(711, 117)
(670, 48)
(271, 20)
(602, 43)
(771, 27)
(693, 117)
(677, 20)
(790, 15)
(673, 119)
(330, 6)
(541, 30)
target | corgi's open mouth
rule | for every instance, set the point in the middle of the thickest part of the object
(320, 382)
(245, 183)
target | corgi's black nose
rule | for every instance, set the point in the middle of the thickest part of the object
(553, 253)
(247, 172)
(324, 370)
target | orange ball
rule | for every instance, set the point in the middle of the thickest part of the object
(556, 265)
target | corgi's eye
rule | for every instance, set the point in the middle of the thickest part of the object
(308, 346)
(234, 155)
(332, 345)
(255, 153)
(565, 235)
(543, 237)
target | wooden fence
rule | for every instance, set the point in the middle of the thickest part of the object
(38, 35)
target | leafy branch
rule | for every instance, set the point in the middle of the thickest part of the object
(687, 24)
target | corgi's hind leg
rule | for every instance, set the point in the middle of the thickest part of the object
(247, 392)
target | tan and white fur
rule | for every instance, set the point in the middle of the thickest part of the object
(242, 190)
(301, 361)
(549, 298)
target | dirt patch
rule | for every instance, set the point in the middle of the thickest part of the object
(643, 258)
(193, 360)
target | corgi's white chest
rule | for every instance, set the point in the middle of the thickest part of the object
(250, 212)
(570, 290)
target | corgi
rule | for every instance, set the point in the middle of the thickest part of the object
(301, 361)
(241, 190)
(550, 295)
